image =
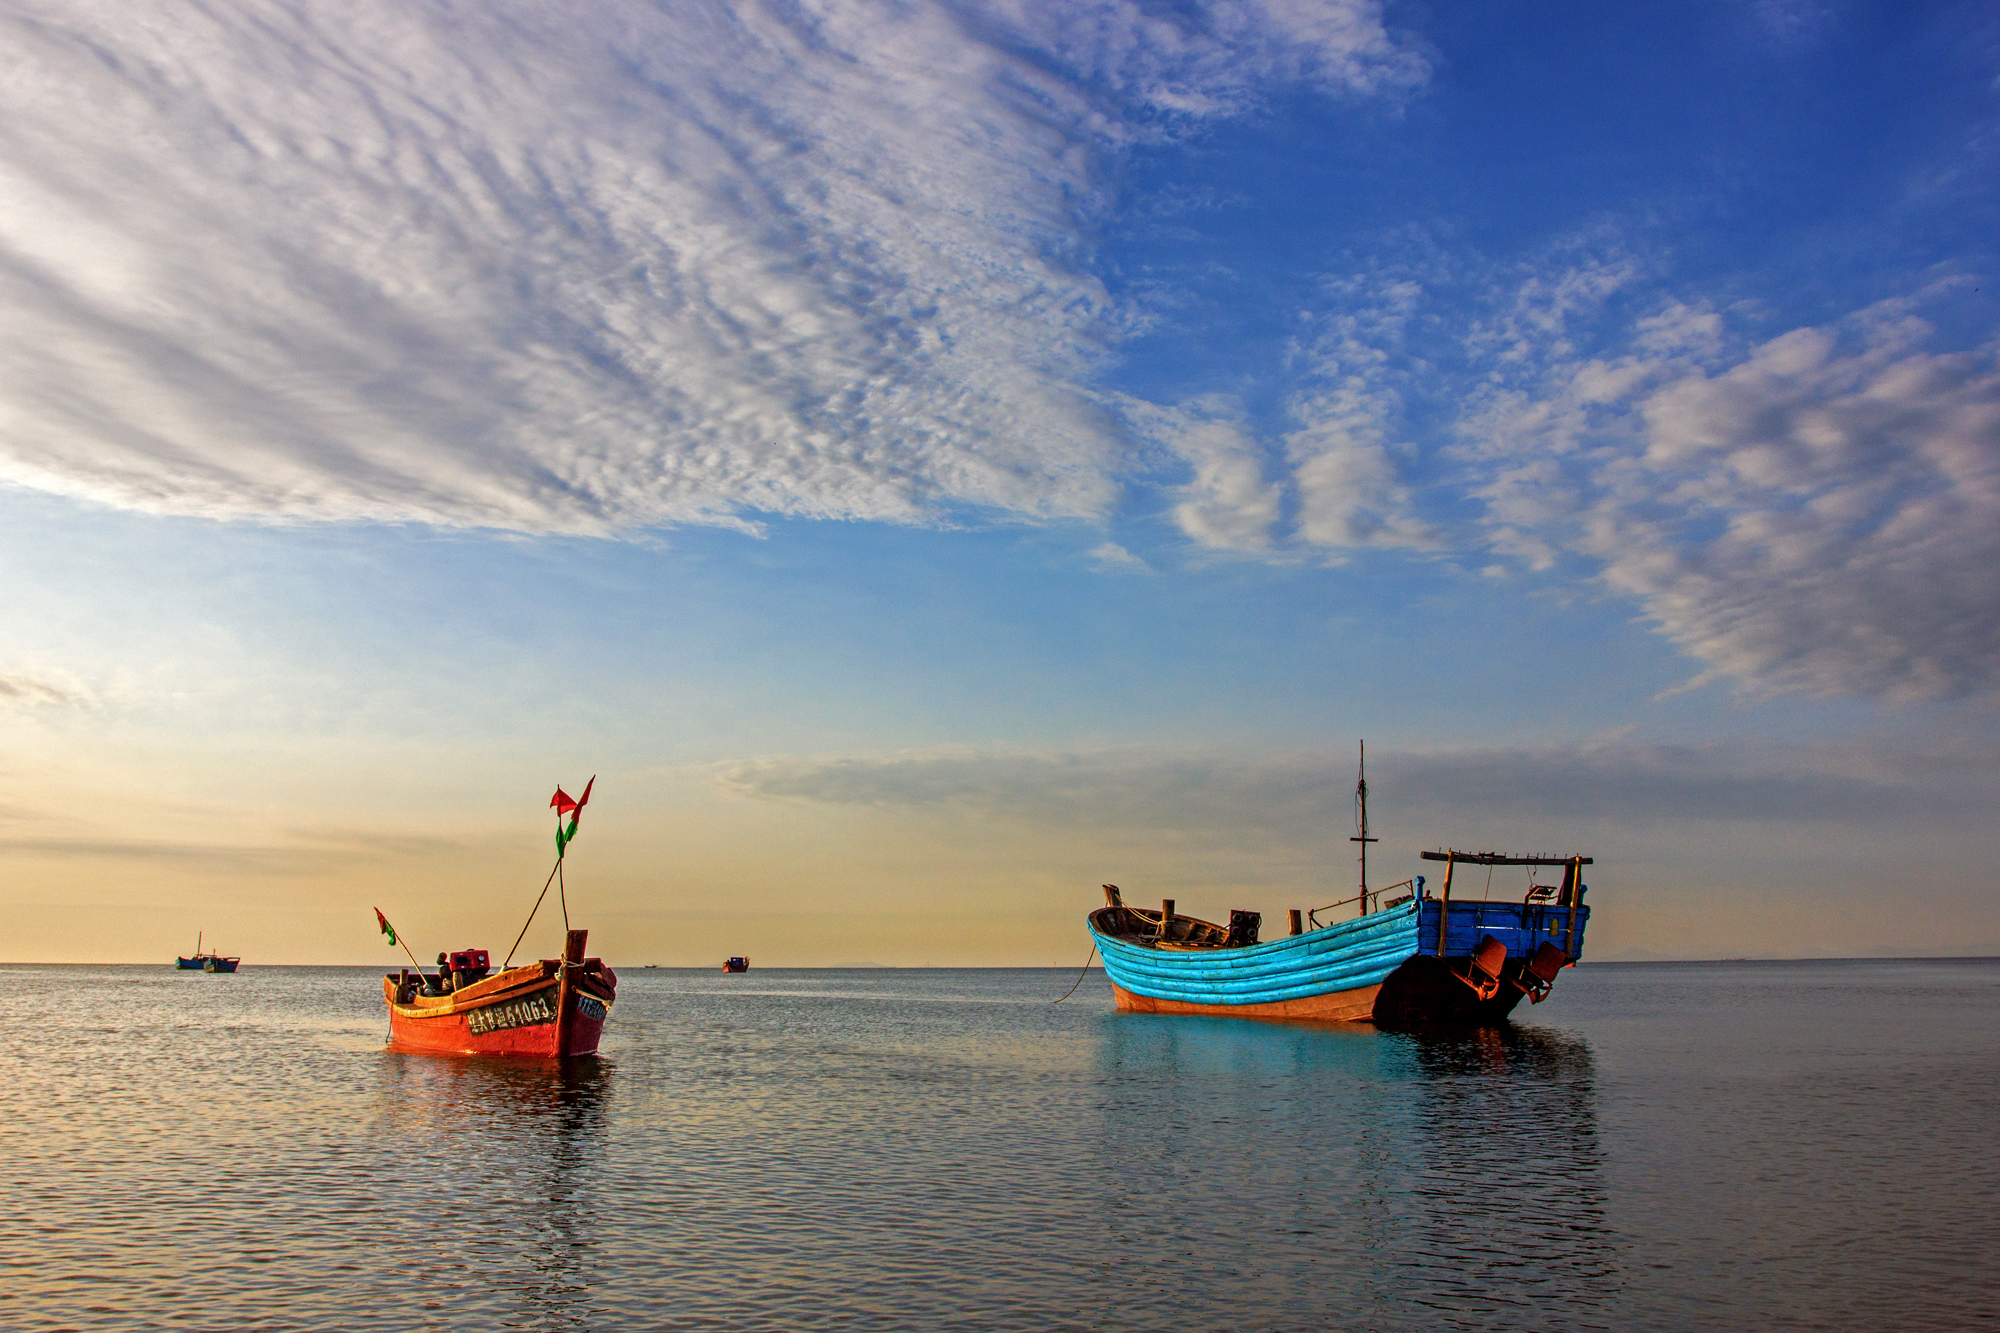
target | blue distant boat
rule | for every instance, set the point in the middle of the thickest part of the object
(205, 962)
(1414, 959)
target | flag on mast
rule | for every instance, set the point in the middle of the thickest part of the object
(563, 805)
(387, 929)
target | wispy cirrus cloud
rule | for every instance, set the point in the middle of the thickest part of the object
(1334, 479)
(557, 268)
(1812, 510)
(1818, 512)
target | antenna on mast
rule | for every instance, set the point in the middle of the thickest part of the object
(1361, 822)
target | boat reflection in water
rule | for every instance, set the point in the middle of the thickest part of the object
(1346, 1176)
(522, 1134)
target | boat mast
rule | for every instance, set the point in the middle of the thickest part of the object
(1361, 822)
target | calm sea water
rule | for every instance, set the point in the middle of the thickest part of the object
(1777, 1145)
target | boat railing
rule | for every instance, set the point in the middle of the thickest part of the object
(1375, 904)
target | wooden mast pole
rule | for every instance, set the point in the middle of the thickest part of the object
(405, 943)
(1361, 805)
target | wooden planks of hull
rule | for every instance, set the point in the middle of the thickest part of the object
(1348, 1006)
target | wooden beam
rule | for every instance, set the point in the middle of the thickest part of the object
(1496, 859)
(1444, 899)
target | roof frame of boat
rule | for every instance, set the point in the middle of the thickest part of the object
(1497, 859)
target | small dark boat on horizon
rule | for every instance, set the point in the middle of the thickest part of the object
(205, 962)
(736, 963)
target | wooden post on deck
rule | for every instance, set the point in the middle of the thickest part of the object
(1298, 924)
(1574, 874)
(1444, 899)
(572, 963)
(1166, 915)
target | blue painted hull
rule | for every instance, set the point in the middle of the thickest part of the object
(1386, 966)
(1344, 957)
(204, 962)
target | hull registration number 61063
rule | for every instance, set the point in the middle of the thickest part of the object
(524, 1012)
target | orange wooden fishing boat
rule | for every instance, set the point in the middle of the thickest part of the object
(554, 1007)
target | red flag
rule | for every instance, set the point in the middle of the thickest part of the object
(585, 798)
(563, 804)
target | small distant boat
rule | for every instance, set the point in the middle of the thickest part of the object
(736, 963)
(205, 962)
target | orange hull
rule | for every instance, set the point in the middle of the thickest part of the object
(534, 1030)
(551, 1008)
(1347, 1006)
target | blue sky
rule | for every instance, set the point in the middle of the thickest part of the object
(933, 458)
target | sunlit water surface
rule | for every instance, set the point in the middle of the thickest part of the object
(1777, 1145)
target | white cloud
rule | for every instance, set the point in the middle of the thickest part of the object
(1334, 481)
(553, 268)
(1633, 783)
(24, 691)
(1816, 513)
(1344, 456)
(1227, 504)
(1111, 555)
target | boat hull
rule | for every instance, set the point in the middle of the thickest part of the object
(1428, 991)
(1347, 1006)
(527, 1011)
(1272, 979)
(1393, 967)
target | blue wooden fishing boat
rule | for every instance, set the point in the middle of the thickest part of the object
(1406, 957)
(205, 962)
(1410, 958)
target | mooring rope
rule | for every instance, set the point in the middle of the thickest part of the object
(1081, 975)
